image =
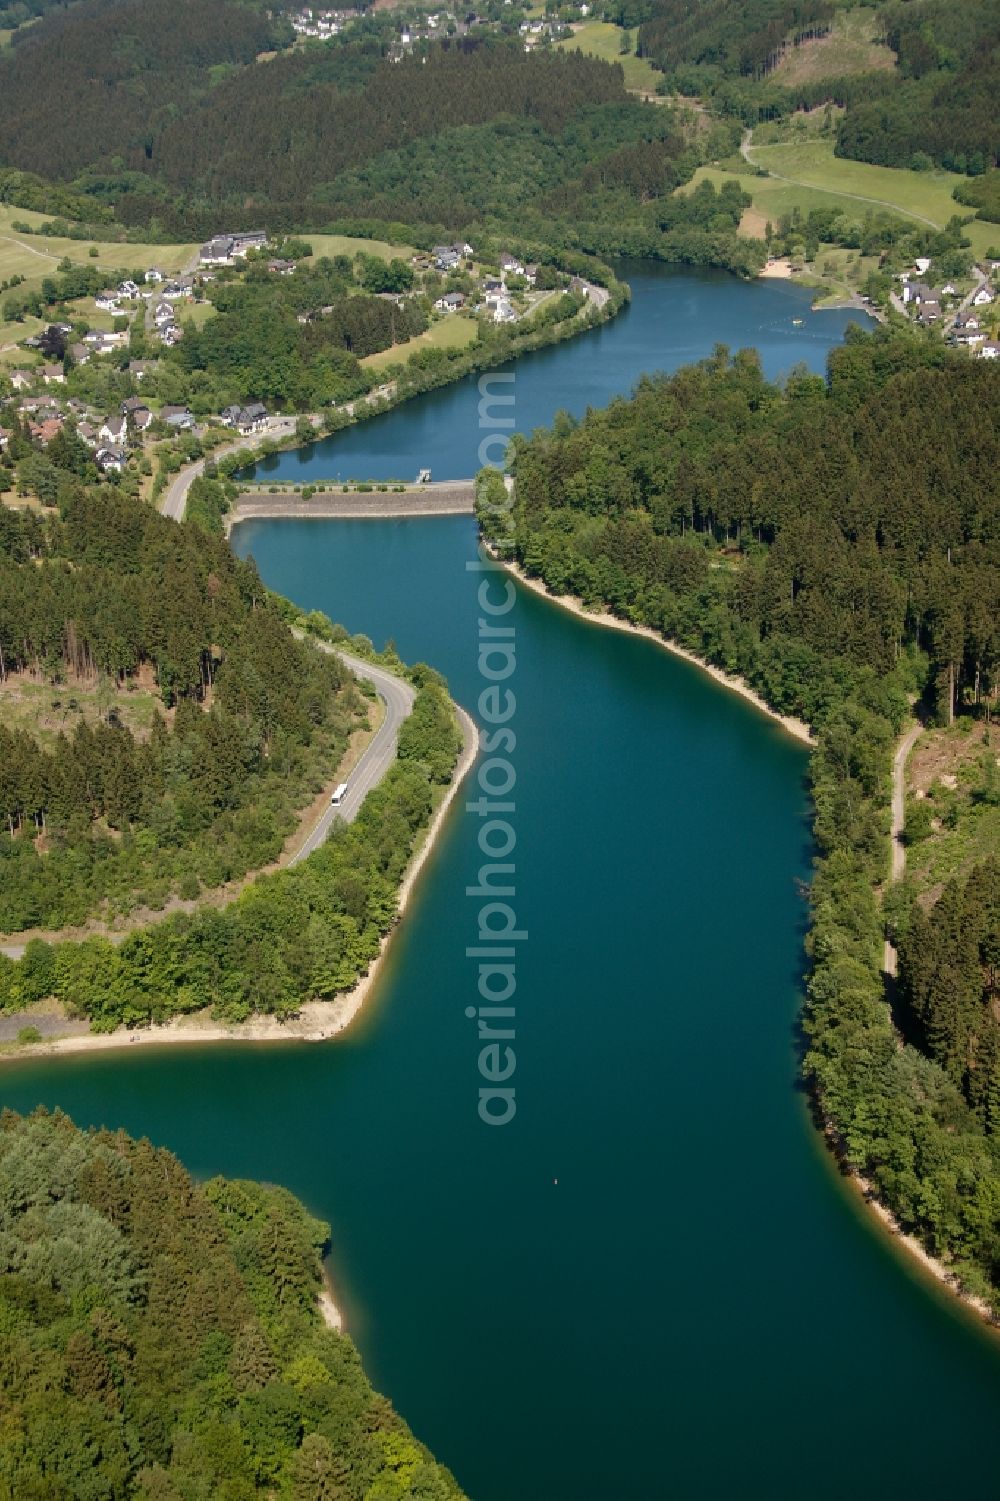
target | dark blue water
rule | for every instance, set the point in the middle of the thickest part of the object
(675, 317)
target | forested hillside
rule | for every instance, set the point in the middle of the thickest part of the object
(732, 39)
(186, 132)
(722, 509)
(838, 545)
(950, 980)
(943, 102)
(162, 1340)
(938, 105)
(114, 606)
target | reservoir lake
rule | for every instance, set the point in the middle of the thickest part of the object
(652, 1282)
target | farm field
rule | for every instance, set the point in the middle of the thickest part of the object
(34, 256)
(852, 46)
(602, 39)
(451, 332)
(812, 177)
(804, 167)
(346, 245)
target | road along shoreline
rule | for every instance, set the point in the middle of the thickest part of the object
(316, 1021)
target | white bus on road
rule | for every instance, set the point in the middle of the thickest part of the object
(339, 793)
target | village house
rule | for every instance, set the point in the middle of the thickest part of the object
(450, 302)
(138, 368)
(915, 291)
(217, 252)
(21, 379)
(112, 460)
(531, 274)
(504, 312)
(102, 342)
(78, 353)
(44, 432)
(163, 314)
(251, 418)
(983, 297)
(53, 375)
(176, 416)
(511, 266)
(114, 429)
(88, 433)
(280, 267)
(930, 311)
(137, 412)
(224, 249)
(128, 288)
(154, 274)
(446, 257)
(171, 334)
(988, 351)
(107, 301)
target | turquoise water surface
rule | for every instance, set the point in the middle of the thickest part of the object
(651, 1283)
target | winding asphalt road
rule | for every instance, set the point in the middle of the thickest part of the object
(173, 502)
(397, 695)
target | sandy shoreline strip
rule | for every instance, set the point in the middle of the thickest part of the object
(776, 270)
(796, 727)
(328, 1310)
(901, 1239)
(317, 1021)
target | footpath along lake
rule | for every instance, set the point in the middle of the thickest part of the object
(698, 1307)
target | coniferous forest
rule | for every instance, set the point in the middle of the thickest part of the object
(836, 544)
(937, 105)
(109, 599)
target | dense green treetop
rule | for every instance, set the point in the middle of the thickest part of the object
(162, 1342)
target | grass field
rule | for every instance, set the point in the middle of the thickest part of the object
(36, 256)
(812, 177)
(450, 332)
(197, 313)
(344, 245)
(852, 46)
(601, 39)
(810, 166)
(33, 256)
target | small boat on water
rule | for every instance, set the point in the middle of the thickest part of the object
(797, 322)
(424, 477)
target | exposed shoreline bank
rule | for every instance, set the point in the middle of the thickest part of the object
(317, 1021)
(792, 726)
(887, 1222)
(890, 1227)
